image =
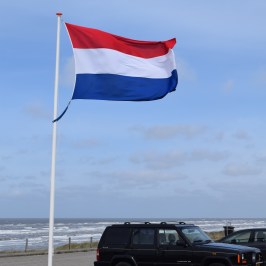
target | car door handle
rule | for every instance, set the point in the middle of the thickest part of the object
(161, 251)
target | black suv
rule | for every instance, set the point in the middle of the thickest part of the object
(163, 244)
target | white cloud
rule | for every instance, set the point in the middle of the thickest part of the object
(143, 178)
(185, 71)
(175, 158)
(228, 86)
(241, 169)
(241, 135)
(19, 190)
(261, 158)
(260, 77)
(170, 131)
(219, 136)
(233, 194)
(67, 75)
(86, 143)
(157, 160)
(129, 180)
(98, 161)
(37, 110)
(204, 154)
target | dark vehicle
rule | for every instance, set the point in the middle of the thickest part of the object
(254, 237)
(165, 244)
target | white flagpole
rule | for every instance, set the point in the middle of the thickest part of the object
(52, 185)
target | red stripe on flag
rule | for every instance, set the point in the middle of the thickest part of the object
(85, 38)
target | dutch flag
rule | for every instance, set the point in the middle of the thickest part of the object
(111, 67)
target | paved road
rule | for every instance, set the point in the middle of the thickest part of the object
(67, 259)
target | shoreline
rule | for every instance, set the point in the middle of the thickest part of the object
(79, 247)
(32, 233)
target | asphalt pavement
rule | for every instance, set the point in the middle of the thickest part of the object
(66, 259)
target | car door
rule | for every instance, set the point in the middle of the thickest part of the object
(143, 247)
(172, 249)
(114, 242)
(242, 237)
(258, 240)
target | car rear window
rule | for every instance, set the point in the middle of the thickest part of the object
(117, 236)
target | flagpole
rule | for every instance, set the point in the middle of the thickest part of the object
(52, 184)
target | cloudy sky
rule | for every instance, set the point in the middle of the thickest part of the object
(199, 152)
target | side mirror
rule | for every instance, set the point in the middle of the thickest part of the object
(233, 241)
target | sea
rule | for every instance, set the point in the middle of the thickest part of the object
(15, 233)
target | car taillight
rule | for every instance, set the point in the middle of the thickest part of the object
(97, 255)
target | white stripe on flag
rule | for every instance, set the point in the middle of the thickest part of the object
(108, 61)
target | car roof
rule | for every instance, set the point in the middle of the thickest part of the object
(154, 225)
(249, 229)
(241, 231)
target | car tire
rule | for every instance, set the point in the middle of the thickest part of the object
(217, 264)
(122, 263)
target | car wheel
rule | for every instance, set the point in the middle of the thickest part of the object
(123, 264)
(217, 264)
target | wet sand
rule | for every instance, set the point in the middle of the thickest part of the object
(66, 259)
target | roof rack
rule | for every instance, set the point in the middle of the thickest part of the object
(172, 222)
(181, 223)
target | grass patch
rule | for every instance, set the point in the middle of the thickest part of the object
(84, 245)
(216, 235)
(65, 248)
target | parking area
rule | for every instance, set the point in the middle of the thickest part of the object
(66, 259)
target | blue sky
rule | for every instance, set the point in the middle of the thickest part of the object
(199, 152)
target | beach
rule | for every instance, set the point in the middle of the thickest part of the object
(65, 259)
(62, 259)
(85, 258)
(32, 234)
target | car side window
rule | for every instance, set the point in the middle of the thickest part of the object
(169, 237)
(117, 236)
(242, 237)
(260, 236)
(143, 236)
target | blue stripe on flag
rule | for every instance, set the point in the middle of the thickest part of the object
(122, 88)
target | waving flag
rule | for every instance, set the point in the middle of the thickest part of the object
(110, 67)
